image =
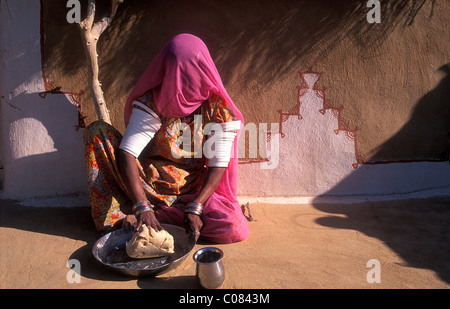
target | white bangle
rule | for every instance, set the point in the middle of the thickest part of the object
(140, 131)
(225, 133)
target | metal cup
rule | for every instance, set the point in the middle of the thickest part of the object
(210, 272)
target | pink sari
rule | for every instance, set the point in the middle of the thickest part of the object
(182, 76)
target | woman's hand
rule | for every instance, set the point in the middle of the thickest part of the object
(193, 224)
(148, 218)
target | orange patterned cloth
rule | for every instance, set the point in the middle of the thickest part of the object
(165, 177)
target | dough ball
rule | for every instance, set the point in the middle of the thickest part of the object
(147, 243)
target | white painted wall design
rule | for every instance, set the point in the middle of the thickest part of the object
(318, 157)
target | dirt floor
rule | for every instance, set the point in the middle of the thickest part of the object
(290, 247)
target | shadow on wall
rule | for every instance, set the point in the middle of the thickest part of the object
(47, 151)
(258, 29)
(428, 128)
(424, 138)
(301, 28)
(262, 40)
(416, 229)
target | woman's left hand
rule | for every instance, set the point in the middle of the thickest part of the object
(193, 224)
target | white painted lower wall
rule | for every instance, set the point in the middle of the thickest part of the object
(315, 158)
(42, 153)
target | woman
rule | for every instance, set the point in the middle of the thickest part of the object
(152, 173)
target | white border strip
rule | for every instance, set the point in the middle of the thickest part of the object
(344, 199)
(82, 199)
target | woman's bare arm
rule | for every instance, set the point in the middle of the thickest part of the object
(210, 184)
(193, 223)
(130, 174)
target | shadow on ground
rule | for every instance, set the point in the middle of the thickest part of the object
(417, 230)
(94, 270)
(76, 223)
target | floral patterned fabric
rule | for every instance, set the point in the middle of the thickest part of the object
(165, 174)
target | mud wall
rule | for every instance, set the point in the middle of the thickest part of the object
(383, 86)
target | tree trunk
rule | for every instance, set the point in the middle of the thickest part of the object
(90, 34)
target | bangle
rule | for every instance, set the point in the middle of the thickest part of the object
(141, 207)
(194, 208)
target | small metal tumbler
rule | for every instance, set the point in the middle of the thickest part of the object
(210, 271)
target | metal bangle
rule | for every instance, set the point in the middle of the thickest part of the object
(142, 203)
(194, 208)
(141, 207)
(141, 211)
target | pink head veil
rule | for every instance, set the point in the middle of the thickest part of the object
(182, 76)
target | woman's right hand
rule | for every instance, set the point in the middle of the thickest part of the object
(148, 218)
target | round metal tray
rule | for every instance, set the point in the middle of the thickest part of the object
(109, 250)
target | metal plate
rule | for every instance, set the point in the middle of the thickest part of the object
(109, 250)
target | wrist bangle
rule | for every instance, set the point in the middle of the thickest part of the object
(141, 207)
(194, 208)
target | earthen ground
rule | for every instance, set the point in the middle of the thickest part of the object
(313, 246)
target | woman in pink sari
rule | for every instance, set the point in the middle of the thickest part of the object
(177, 161)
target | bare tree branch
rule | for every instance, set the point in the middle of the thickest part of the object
(89, 21)
(91, 33)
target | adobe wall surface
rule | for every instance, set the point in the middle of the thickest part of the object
(354, 108)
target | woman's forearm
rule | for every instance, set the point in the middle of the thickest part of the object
(130, 174)
(210, 184)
